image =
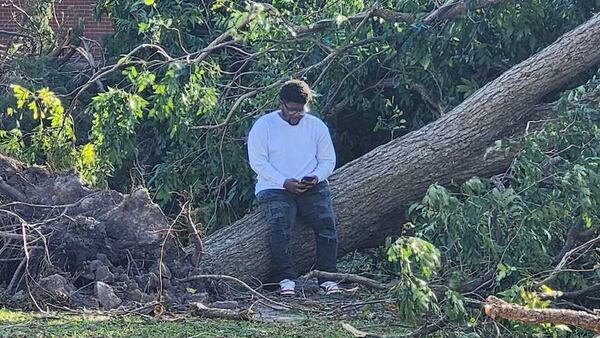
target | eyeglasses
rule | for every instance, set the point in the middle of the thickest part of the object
(293, 111)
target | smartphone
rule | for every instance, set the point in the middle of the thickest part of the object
(307, 179)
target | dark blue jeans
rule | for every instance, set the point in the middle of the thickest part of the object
(280, 209)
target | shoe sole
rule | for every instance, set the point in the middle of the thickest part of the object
(288, 293)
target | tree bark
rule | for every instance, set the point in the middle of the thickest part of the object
(495, 307)
(371, 193)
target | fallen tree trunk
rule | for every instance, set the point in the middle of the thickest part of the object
(495, 307)
(371, 193)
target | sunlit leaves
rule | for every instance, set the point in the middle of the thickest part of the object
(414, 256)
(416, 260)
(21, 94)
(88, 154)
(41, 131)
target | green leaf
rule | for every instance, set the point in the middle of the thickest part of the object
(425, 61)
(340, 19)
(562, 327)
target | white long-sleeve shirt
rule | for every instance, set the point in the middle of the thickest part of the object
(278, 151)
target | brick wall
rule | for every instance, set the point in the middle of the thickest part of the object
(67, 14)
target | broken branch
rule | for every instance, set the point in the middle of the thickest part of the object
(496, 307)
(348, 277)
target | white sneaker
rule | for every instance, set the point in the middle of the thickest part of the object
(330, 287)
(287, 287)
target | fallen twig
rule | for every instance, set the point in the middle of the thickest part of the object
(194, 234)
(358, 333)
(271, 303)
(559, 267)
(348, 277)
(376, 301)
(201, 310)
(428, 329)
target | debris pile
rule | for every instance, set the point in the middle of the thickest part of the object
(62, 243)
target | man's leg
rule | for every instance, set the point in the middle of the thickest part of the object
(315, 207)
(279, 210)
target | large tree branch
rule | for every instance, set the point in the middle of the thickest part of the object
(497, 308)
(375, 11)
(445, 12)
(17, 34)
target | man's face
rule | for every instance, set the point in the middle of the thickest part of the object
(292, 112)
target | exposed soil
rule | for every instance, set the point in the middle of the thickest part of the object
(85, 247)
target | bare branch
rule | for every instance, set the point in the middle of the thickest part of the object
(559, 267)
(572, 294)
(217, 43)
(275, 84)
(429, 99)
(445, 12)
(10, 33)
(193, 232)
(272, 303)
(348, 277)
(375, 11)
(455, 8)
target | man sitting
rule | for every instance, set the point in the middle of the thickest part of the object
(292, 154)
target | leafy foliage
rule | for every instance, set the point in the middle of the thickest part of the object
(366, 93)
(38, 131)
(517, 224)
(416, 261)
(375, 79)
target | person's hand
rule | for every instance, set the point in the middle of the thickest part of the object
(294, 186)
(310, 183)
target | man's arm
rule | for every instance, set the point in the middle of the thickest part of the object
(258, 155)
(325, 155)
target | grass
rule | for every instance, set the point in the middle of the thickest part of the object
(29, 324)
